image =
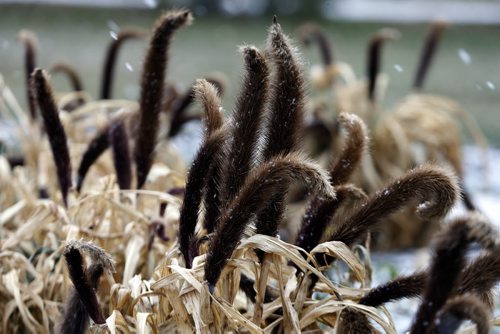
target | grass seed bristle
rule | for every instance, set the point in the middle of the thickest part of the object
(213, 141)
(401, 287)
(480, 277)
(353, 321)
(207, 94)
(213, 190)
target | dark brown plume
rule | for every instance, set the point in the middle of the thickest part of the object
(246, 121)
(319, 215)
(480, 277)
(208, 95)
(31, 44)
(342, 167)
(311, 32)
(71, 73)
(152, 83)
(97, 146)
(374, 57)
(450, 248)
(262, 184)
(459, 309)
(428, 50)
(196, 180)
(287, 96)
(401, 287)
(213, 189)
(110, 60)
(285, 124)
(75, 318)
(213, 140)
(435, 187)
(121, 154)
(83, 285)
(180, 105)
(54, 129)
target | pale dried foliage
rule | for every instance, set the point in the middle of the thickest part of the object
(146, 287)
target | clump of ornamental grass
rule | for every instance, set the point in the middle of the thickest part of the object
(417, 121)
(204, 255)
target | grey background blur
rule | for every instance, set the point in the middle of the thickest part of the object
(466, 67)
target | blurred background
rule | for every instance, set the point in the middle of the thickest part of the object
(466, 66)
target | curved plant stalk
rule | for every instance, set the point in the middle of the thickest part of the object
(428, 50)
(31, 44)
(110, 59)
(311, 32)
(436, 188)
(97, 146)
(374, 57)
(70, 72)
(343, 166)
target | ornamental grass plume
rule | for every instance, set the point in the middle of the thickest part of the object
(152, 84)
(54, 129)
